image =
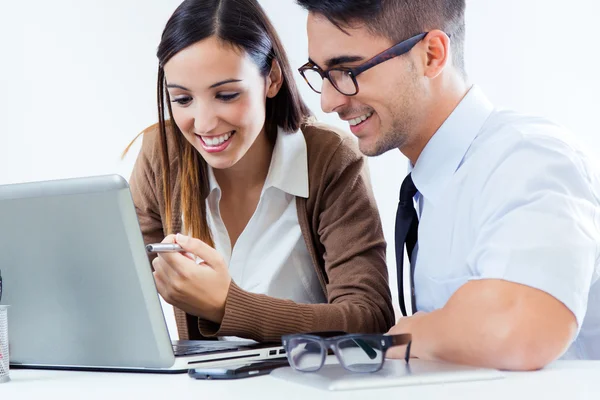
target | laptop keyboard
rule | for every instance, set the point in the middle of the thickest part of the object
(212, 347)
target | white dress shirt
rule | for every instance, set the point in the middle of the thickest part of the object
(511, 197)
(270, 256)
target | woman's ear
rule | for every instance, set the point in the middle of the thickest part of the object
(274, 80)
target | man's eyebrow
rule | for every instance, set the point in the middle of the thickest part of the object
(332, 62)
(176, 86)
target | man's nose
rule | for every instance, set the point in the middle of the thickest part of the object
(331, 99)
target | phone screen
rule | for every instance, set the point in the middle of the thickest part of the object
(242, 370)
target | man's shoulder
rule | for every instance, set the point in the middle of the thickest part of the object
(525, 154)
(519, 127)
(506, 132)
(528, 154)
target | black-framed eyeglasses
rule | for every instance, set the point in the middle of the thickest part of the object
(355, 352)
(343, 79)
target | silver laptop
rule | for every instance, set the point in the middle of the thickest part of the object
(80, 285)
(394, 373)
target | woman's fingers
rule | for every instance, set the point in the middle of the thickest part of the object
(166, 267)
(200, 249)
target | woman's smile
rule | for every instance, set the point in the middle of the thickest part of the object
(216, 143)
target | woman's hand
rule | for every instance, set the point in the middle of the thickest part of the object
(197, 288)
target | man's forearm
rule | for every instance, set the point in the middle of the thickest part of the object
(439, 336)
(493, 324)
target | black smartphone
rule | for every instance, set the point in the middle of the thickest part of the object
(245, 370)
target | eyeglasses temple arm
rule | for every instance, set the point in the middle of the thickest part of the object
(403, 339)
(367, 349)
(407, 354)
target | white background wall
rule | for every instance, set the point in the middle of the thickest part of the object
(77, 79)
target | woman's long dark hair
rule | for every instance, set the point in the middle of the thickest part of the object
(243, 24)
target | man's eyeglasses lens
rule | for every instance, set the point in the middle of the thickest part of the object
(340, 79)
(314, 80)
(358, 355)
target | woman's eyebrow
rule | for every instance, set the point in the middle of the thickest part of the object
(176, 86)
(224, 82)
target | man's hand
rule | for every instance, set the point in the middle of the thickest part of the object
(404, 325)
(197, 288)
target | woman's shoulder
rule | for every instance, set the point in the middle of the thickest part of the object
(151, 144)
(326, 144)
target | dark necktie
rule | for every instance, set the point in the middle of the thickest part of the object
(407, 224)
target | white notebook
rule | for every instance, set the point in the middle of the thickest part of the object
(393, 373)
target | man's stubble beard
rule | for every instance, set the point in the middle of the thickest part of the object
(403, 117)
(398, 134)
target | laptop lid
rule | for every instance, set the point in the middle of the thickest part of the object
(77, 277)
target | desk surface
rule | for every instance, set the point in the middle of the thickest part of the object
(561, 380)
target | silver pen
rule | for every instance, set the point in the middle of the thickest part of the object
(171, 248)
(164, 248)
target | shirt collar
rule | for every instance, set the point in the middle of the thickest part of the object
(443, 154)
(289, 165)
(212, 182)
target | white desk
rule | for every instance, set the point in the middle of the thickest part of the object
(565, 380)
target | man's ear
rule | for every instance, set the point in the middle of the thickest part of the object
(438, 53)
(274, 80)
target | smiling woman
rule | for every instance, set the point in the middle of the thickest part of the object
(218, 101)
(266, 197)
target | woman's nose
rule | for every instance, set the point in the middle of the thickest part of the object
(205, 120)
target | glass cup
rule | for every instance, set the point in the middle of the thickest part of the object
(4, 358)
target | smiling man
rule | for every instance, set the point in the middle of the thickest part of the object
(500, 213)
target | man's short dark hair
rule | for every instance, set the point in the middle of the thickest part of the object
(398, 19)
